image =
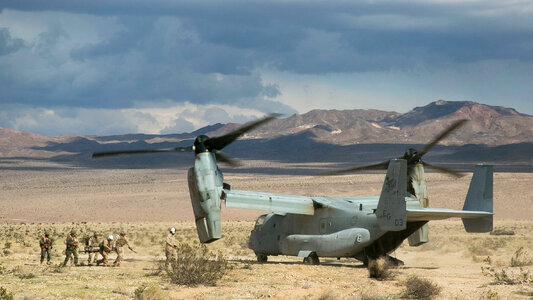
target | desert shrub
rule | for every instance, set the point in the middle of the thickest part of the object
(502, 232)
(5, 295)
(7, 245)
(380, 269)
(196, 265)
(505, 276)
(490, 295)
(521, 258)
(328, 295)
(138, 293)
(145, 292)
(420, 288)
(365, 296)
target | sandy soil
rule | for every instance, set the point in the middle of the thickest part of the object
(43, 195)
(45, 192)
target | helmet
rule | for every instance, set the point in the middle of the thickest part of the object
(73, 231)
(172, 230)
(122, 233)
(95, 234)
(110, 238)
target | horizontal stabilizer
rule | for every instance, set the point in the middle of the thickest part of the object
(269, 202)
(479, 197)
(429, 214)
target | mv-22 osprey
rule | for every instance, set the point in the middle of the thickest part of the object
(364, 228)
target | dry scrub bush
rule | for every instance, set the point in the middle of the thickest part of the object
(196, 265)
(506, 276)
(490, 295)
(502, 232)
(521, 258)
(420, 288)
(380, 269)
(145, 292)
(5, 295)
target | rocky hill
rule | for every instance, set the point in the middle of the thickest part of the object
(493, 133)
(489, 125)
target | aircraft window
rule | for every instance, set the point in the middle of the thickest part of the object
(323, 225)
(260, 221)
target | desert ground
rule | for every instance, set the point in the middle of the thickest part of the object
(37, 196)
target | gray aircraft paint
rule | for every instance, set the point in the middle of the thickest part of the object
(327, 227)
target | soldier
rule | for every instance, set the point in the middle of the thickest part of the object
(46, 246)
(170, 247)
(105, 248)
(72, 248)
(121, 241)
(92, 246)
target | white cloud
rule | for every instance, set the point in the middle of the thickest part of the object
(174, 119)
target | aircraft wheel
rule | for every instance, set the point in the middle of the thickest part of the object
(312, 259)
(262, 258)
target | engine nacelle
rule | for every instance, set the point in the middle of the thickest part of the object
(205, 189)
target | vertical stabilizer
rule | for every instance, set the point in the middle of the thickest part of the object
(419, 187)
(391, 210)
(480, 198)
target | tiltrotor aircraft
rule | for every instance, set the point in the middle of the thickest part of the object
(364, 228)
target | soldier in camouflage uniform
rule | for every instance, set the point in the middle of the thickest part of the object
(46, 246)
(105, 248)
(72, 248)
(92, 245)
(121, 242)
(170, 247)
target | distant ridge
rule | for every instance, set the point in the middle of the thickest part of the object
(501, 134)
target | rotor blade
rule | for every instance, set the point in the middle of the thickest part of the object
(219, 142)
(380, 166)
(444, 170)
(441, 136)
(127, 152)
(226, 159)
(184, 149)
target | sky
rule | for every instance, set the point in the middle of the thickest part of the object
(165, 66)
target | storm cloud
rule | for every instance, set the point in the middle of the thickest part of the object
(112, 55)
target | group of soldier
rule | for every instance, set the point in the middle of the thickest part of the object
(93, 246)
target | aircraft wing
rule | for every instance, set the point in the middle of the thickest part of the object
(270, 202)
(428, 214)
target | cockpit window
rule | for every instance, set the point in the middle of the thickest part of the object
(260, 221)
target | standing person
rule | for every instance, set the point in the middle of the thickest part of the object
(46, 246)
(170, 247)
(72, 248)
(105, 248)
(92, 247)
(121, 242)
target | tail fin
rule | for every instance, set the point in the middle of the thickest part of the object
(418, 185)
(479, 198)
(391, 211)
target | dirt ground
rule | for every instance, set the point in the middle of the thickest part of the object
(35, 196)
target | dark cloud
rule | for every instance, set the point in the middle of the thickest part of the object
(7, 44)
(212, 52)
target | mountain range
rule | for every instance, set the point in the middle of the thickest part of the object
(493, 134)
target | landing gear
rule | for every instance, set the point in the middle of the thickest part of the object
(312, 259)
(261, 258)
(394, 261)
